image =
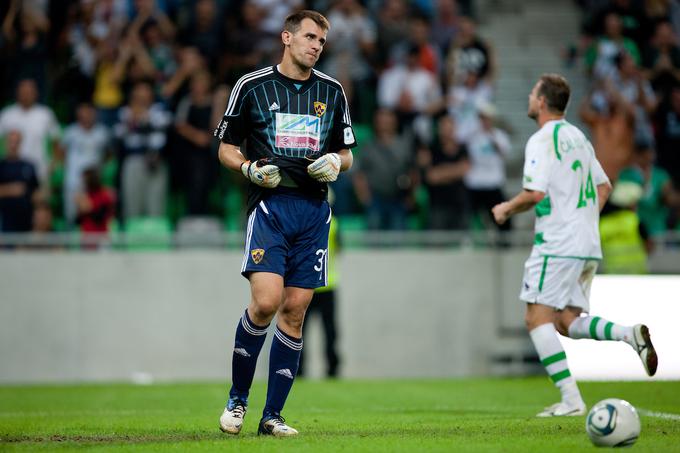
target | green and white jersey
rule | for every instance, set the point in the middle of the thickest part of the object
(560, 161)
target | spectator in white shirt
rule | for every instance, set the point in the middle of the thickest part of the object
(411, 91)
(37, 123)
(488, 148)
(85, 143)
(462, 101)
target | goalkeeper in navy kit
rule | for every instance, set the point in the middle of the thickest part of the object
(287, 129)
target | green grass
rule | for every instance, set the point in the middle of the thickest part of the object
(379, 415)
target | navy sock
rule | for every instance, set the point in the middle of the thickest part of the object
(284, 359)
(247, 346)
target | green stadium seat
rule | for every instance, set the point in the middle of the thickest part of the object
(148, 233)
(108, 171)
(234, 209)
(352, 223)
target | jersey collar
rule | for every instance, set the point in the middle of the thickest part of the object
(297, 86)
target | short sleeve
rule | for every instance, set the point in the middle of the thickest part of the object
(233, 128)
(537, 164)
(342, 134)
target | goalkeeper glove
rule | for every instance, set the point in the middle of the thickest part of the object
(262, 173)
(325, 168)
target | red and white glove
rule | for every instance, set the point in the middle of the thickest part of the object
(325, 168)
(261, 173)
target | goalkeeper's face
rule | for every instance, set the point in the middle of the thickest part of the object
(305, 45)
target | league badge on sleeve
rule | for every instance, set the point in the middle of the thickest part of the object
(348, 136)
(257, 255)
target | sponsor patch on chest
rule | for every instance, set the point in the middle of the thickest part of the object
(298, 131)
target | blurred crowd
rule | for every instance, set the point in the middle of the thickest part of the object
(631, 53)
(110, 104)
(109, 107)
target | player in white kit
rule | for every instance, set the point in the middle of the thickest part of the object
(565, 184)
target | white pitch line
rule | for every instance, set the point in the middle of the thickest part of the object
(663, 415)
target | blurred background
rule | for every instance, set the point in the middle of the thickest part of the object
(121, 235)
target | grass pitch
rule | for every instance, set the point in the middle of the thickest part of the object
(386, 415)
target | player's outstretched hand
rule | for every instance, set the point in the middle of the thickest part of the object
(325, 168)
(262, 173)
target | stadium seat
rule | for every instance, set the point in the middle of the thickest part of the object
(234, 208)
(202, 231)
(352, 222)
(148, 233)
(109, 170)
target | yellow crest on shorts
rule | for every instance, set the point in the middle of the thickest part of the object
(319, 108)
(257, 255)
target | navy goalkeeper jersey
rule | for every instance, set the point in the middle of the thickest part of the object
(292, 122)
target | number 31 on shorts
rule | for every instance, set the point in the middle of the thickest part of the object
(321, 253)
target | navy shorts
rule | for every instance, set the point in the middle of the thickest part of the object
(287, 234)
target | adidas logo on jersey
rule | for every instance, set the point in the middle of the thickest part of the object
(274, 106)
(241, 351)
(285, 372)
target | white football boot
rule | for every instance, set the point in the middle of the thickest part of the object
(275, 426)
(563, 409)
(231, 420)
(642, 343)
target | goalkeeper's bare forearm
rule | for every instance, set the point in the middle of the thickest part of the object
(346, 159)
(231, 157)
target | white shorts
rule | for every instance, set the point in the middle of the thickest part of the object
(558, 282)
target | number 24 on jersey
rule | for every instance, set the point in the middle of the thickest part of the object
(589, 192)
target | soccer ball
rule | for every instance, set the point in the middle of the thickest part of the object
(613, 423)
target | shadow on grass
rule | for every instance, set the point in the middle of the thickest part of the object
(112, 439)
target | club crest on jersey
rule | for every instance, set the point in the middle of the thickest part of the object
(319, 108)
(257, 255)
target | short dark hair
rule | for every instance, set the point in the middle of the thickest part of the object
(555, 89)
(294, 20)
